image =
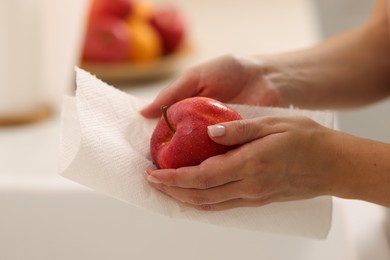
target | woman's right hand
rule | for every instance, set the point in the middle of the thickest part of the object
(229, 79)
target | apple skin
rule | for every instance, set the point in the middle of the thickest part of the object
(117, 8)
(190, 144)
(107, 40)
(171, 25)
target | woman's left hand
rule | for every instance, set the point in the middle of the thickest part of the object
(279, 159)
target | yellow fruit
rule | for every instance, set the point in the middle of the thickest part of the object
(142, 10)
(146, 44)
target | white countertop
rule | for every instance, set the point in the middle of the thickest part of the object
(53, 218)
(44, 216)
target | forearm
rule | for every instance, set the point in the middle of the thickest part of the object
(362, 169)
(351, 69)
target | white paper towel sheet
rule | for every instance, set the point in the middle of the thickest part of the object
(105, 146)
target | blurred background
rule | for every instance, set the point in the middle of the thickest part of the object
(336, 16)
(46, 217)
(202, 40)
(150, 42)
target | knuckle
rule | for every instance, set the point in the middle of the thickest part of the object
(191, 73)
(243, 128)
(172, 179)
(254, 192)
(261, 202)
(304, 120)
(270, 120)
(205, 207)
(196, 199)
(203, 179)
(203, 182)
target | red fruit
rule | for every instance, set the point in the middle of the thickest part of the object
(117, 8)
(107, 40)
(171, 25)
(188, 143)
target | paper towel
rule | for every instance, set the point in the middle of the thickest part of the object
(105, 146)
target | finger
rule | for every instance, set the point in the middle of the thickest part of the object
(182, 88)
(230, 204)
(243, 131)
(213, 172)
(230, 191)
(244, 202)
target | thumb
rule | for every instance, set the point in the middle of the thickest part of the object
(181, 88)
(244, 131)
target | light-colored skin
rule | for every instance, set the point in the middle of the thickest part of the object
(288, 158)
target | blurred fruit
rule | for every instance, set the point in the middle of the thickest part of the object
(117, 8)
(146, 44)
(142, 10)
(132, 31)
(171, 25)
(107, 40)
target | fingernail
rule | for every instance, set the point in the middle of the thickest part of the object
(149, 177)
(153, 179)
(216, 130)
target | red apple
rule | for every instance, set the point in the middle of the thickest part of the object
(171, 25)
(107, 40)
(117, 8)
(180, 138)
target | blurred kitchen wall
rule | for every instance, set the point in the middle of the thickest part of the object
(219, 26)
(335, 16)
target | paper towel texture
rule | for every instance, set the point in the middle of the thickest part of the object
(105, 146)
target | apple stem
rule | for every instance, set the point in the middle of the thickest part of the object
(164, 113)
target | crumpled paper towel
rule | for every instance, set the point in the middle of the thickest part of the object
(105, 146)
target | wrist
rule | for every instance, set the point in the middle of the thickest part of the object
(361, 170)
(265, 93)
(285, 77)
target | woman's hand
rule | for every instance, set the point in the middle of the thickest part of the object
(230, 79)
(279, 159)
